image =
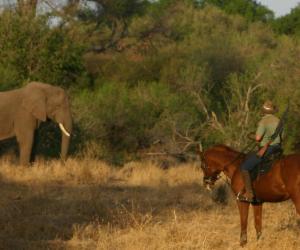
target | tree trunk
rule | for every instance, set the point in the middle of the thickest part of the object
(27, 7)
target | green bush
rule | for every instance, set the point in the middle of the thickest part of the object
(166, 73)
(31, 50)
(126, 120)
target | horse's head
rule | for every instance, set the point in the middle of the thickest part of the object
(212, 164)
(210, 172)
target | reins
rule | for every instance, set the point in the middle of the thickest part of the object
(250, 145)
(247, 148)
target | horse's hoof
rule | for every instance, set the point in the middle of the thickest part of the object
(243, 243)
(258, 235)
(243, 240)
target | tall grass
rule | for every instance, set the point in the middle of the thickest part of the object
(87, 204)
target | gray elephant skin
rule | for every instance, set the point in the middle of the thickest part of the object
(23, 109)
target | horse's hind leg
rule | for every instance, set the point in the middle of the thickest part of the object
(296, 201)
(257, 209)
(297, 205)
(244, 210)
(294, 193)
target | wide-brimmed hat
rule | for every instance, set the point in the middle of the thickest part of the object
(269, 108)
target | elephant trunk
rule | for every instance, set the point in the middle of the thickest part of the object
(66, 128)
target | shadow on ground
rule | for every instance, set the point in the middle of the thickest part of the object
(44, 216)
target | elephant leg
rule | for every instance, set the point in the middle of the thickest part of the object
(25, 141)
(34, 145)
(244, 210)
(257, 209)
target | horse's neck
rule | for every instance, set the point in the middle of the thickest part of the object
(231, 163)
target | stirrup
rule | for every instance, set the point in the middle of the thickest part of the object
(241, 197)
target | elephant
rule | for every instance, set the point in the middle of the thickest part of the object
(22, 110)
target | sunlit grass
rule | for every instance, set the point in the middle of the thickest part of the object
(87, 204)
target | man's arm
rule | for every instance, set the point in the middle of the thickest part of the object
(258, 138)
(254, 137)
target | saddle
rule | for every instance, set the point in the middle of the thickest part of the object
(266, 164)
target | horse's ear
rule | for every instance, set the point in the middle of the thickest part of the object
(200, 149)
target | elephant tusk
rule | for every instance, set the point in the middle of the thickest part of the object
(64, 130)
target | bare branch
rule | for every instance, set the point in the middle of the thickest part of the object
(216, 124)
(201, 102)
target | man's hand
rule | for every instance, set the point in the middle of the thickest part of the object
(263, 150)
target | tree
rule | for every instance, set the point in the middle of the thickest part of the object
(111, 19)
(288, 24)
(250, 9)
(31, 50)
(27, 7)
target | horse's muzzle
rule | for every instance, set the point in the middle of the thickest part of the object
(208, 182)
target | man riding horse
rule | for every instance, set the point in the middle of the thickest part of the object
(268, 145)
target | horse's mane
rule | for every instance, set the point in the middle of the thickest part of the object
(223, 155)
(224, 148)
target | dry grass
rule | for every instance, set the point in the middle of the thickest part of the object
(87, 204)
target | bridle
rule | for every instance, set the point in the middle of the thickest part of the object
(210, 180)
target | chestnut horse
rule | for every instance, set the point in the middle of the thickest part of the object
(281, 183)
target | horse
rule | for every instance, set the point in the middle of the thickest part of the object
(281, 183)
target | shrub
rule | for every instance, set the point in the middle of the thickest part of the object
(126, 119)
(32, 50)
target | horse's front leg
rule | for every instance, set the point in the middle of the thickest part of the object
(244, 210)
(257, 209)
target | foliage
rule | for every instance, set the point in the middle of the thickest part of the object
(158, 76)
(31, 50)
(127, 119)
(250, 9)
(288, 24)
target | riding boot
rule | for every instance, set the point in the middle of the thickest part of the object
(249, 194)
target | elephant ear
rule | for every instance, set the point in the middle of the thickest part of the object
(35, 102)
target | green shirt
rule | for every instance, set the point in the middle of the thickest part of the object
(266, 128)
